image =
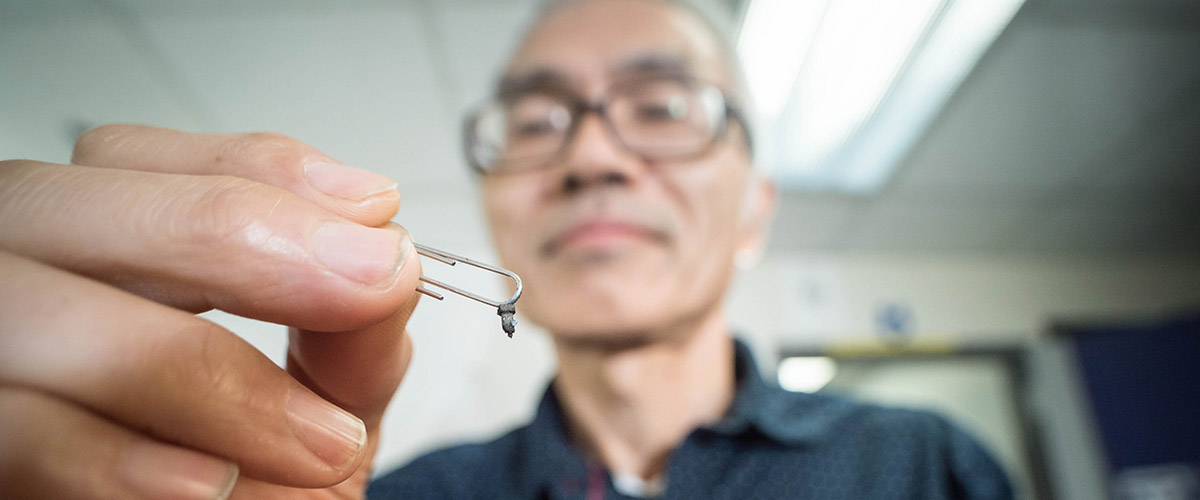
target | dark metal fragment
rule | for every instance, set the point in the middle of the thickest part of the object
(507, 322)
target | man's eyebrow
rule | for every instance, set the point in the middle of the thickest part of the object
(654, 63)
(536, 78)
(648, 63)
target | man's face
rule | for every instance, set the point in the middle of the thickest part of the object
(613, 247)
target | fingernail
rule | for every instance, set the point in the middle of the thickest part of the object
(346, 182)
(332, 434)
(364, 254)
(159, 471)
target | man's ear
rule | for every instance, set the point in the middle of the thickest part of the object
(758, 211)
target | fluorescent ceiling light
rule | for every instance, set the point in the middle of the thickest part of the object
(806, 373)
(864, 78)
(774, 50)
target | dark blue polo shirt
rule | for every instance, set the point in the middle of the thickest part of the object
(773, 444)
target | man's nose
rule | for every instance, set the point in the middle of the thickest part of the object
(595, 156)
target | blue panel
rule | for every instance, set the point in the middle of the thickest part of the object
(1144, 384)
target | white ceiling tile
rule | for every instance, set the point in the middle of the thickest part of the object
(812, 222)
(970, 196)
(895, 227)
(356, 83)
(1163, 156)
(1108, 231)
(1047, 101)
(478, 39)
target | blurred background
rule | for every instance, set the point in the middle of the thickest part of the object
(988, 207)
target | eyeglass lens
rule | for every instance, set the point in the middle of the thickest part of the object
(658, 119)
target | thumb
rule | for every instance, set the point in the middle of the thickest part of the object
(358, 370)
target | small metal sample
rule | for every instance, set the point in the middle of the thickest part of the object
(505, 309)
(507, 322)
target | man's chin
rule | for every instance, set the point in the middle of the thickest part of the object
(605, 340)
(603, 329)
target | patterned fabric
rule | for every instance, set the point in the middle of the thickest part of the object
(773, 444)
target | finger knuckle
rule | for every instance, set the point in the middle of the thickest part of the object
(206, 360)
(223, 210)
(234, 377)
(270, 150)
(219, 367)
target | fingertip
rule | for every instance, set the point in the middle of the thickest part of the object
(157, 470)
(359, 304)
(335, 436)
(345, 182)
(369, 256)
(409, 272)
(89, 141)
(360, 195)
(400, 295)
(373, 211)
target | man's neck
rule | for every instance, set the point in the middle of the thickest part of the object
(629, 408)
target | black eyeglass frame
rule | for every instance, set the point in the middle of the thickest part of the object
(579, 108)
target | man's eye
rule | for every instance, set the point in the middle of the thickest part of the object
(668, 110)
(654, 113)
(534, 128)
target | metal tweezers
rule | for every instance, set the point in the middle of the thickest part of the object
(506, 309)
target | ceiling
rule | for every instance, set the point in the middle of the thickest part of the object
(1076, 132)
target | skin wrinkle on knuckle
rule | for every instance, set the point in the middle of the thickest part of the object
(213, 368)
(225, 372)
(275, 154)
(232, 214)
(222, 388)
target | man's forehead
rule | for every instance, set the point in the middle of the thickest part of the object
(640, 64)
(592, 43)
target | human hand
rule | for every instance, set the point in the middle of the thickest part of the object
(110, 386)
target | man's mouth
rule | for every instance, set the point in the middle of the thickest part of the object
(601, 235)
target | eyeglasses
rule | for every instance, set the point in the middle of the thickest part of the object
(657, 119)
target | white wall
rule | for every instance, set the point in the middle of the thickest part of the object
(815, 299)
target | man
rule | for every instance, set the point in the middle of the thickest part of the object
(619, 185)
(616, 173)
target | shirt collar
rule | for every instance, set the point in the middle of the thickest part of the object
(786, 417)
(790, 419)
(558, 469)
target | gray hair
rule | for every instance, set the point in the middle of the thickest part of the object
(718, 16)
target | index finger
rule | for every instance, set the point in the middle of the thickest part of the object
(202, 242)
(273, 159)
